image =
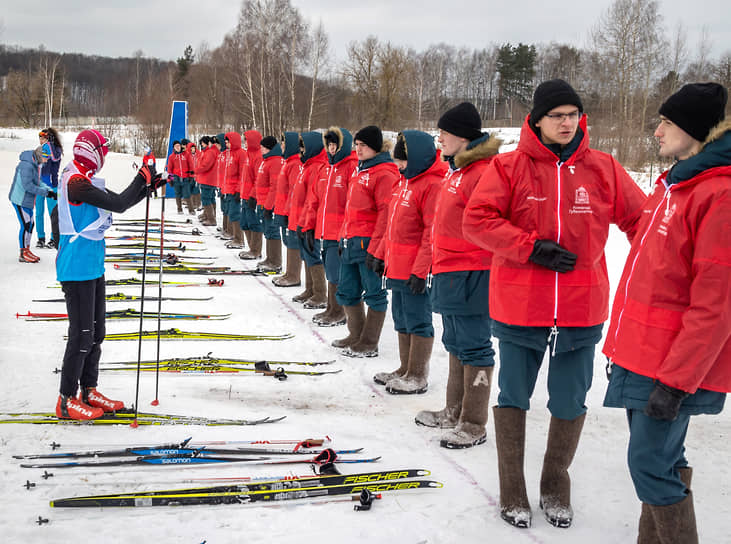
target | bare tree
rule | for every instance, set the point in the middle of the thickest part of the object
(318, 57)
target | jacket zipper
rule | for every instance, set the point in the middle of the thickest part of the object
(553, 334)
(324, 204)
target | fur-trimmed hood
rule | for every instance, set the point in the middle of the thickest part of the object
(345, 144)
(716, 132)
(482, 150)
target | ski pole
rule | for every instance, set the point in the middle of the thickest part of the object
(134, 423)
(155, 402)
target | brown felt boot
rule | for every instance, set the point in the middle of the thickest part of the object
(294, 267)
(355, 319)
(404, 348)
(228, 230)
(307, 293)
(470, 430)
(319, 288)
(273, 261)
(447, 417)
(237, 242)
(675, 523)
(367, 344)
(190, 205)
(334, 315)
(510, 444)
(414, 382)
(647, 533)
(563, 439)
(255, 241)
(209, 216)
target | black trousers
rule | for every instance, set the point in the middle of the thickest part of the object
(86, 307)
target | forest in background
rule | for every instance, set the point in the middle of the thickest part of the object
(274, 71)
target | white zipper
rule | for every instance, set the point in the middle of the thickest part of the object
(324, 204)
(389, 231)
(553, 334)
(637, 256)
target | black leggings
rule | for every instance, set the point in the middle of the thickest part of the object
(86, 306)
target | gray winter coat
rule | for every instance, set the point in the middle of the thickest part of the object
(26, 181)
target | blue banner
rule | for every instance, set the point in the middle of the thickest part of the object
(178, 131)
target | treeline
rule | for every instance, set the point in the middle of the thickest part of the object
(275, 71)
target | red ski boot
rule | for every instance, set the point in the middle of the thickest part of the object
(94, 398)
(27, 257)
(72, 408)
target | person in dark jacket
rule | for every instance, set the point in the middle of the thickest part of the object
(24, 190)
(544, 210)
(669, 338)
(49, 176)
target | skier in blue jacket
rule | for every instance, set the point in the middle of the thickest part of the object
(85, 209)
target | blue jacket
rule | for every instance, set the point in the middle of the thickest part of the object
(49, 171)
(26, 182)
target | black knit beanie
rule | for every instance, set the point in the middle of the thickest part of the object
(331, 137)
(269, 142)
(696, 108)
(552, 94)
(371, 136)
(399, 150)
(463, 120)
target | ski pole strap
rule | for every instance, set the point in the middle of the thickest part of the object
(215, 281)
(325, 456)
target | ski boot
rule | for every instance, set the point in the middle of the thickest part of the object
(94, 398)
(41, 244)
(27, 257)
(72, 408)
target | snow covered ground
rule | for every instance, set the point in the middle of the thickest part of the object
(348, 407)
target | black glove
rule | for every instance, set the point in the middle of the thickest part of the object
(551, 255)
(268, 214)
(52, 195)
(375, 264)
(416, 284)
(309, 240)
(664, 402)
(251, 201)
(144, 175)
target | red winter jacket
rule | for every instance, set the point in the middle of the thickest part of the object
(366, 211)
(325, 211)
(671, 318)
(266, 180)
(177, 164)
(527, 195)
(192, 159)
(235, 164)
(253, 157)
(205, 168)
(221, 162)
(301, 192)
(287, 177)
(451, 251)
(411, 214)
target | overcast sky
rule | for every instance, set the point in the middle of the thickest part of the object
(118, 29)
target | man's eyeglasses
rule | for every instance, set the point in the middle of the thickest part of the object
(561, 117)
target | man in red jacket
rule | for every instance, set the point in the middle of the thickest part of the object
(460, 279)
(205, 174)
(265, 191)
(544, 211)
(408, 259)
(669, 337)
(361, 265)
